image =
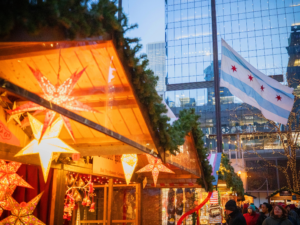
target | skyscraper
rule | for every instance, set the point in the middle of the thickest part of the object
(264, 32)
(156, 53)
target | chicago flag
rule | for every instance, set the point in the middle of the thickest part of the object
(274, 100)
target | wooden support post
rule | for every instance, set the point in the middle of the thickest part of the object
(58, 196)
(110, 200)
(105, 205)
(138, 204)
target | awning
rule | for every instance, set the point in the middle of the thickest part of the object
(215, 161)
(109, 120)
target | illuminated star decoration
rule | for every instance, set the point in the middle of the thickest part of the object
(4, 204)
(9, 177)
(48, 146)
(59, 95)
(155, 165)
(22, 213)
(16, 116)
(129, 162)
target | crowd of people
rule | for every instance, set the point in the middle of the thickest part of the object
(266, 214)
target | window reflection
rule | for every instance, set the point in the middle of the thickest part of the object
(266, 33)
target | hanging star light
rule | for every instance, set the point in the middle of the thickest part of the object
(49, 146)
(22, 213)
(59, 95)
(16, 116)
(9, 177)
(4, 204)
(129, 162)
(155, 165)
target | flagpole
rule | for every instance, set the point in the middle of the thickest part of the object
(216, 75)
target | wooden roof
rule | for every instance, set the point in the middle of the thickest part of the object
(104, 86)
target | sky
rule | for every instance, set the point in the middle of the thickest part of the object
(150, 17)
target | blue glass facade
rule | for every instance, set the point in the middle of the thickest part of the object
(264, 32)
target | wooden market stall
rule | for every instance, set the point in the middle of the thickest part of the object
(284, 195)
(76, 100)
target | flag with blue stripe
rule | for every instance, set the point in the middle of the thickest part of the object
(274, 100)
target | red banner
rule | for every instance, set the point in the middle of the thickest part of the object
(194, 209)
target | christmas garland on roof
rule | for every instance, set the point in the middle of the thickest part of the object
(226, 173)
(77, 18)
(284, 189)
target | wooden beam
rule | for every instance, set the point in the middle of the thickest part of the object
(53, 196)
(110, 201)
(119, 91)
(93, 150)
(172, 176)
(122, 67)
(57, 210)
(138, 204)
(105, 205)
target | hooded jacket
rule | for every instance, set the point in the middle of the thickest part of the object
(274, 221)
(251, 219)
(236, 218)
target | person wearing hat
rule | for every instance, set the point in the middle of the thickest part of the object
(251, 216)
(266, 208)
(234, 216)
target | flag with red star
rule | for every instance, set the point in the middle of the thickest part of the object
(273, 99)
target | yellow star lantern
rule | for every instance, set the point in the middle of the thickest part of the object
(129, 163)
(155, 165)
(22, 213)
(15, 117)
(49, 146)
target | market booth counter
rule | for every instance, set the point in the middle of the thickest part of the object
(285, 196)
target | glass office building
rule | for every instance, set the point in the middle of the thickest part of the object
(265, 32)
(156, 53)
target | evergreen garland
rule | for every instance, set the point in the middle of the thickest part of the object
(226, 173)
(284, 189)
(80, 19)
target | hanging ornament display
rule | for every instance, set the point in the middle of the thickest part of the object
(59, 95)
(129, 162)
(75, 185)
(48, 146)
(155, 166)
(22, 213)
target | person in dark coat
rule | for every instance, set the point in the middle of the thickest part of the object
(292, 213)
(279, 216)
(266, 208)
(234, 216)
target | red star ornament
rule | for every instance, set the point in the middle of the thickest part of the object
(155, 166)
(4, 204)
(22, 213)
(9, 177)
(278, 97)
(233, 69)
(59, 95)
